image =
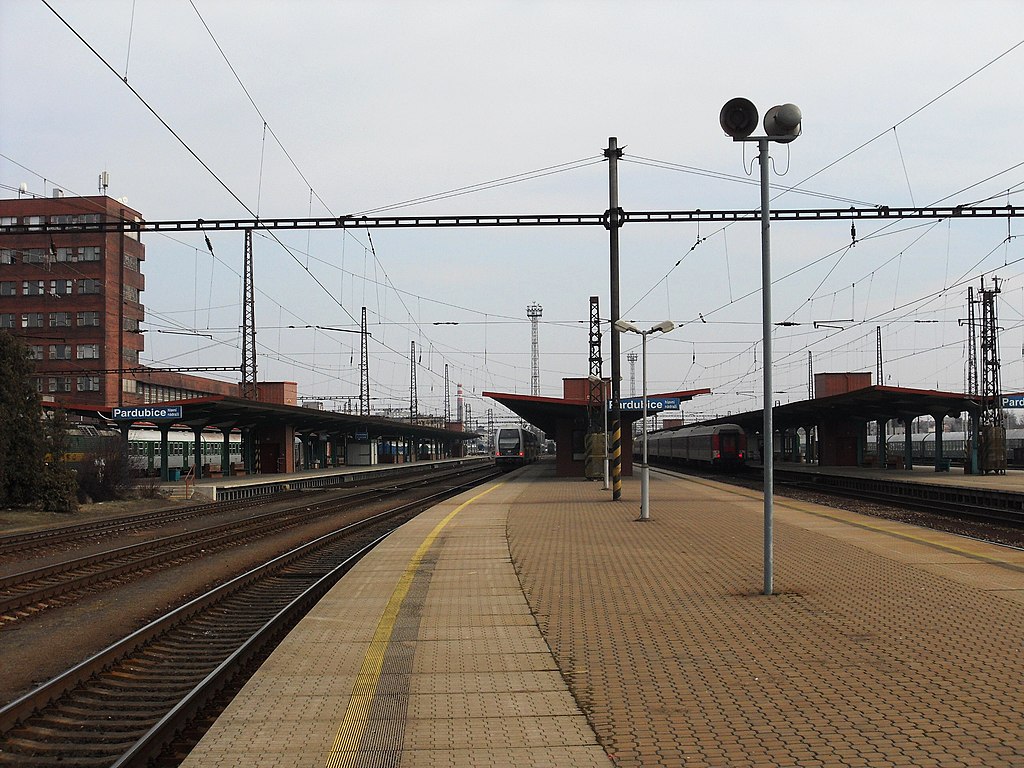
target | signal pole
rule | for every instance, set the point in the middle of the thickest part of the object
(613, 221)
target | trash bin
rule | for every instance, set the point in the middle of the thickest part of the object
(173, 474)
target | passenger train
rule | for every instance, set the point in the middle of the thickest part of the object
(722, 446)
(515, 447)
(144, 447)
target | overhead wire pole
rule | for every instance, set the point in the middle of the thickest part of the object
(364, 370)
(613, 220)
(248, 324)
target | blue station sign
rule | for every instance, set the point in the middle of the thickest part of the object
(1013, 401)
(653, 404)
(146, 413)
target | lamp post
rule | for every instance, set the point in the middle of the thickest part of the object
(782, 124)
(645, 475)
(604, 410)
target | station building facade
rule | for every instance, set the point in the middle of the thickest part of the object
(75, 298)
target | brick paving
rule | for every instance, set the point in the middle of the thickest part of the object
(883, 645)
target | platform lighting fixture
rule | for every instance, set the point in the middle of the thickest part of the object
(624, 326)
(782, 124)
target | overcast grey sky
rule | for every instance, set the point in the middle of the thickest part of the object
(330, 108)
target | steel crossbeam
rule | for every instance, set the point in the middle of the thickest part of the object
(518, 220)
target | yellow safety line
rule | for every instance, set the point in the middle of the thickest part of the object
(867, 526)
(353, 725)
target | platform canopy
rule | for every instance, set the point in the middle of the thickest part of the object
(229, 412)
(873, 403)
(545, 412)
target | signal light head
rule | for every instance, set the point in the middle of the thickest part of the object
(738, 117)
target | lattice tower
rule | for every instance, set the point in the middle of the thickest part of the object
(534, 311)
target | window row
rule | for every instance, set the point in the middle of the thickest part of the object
(47, 255)
(63, 351)
(64, 383)
(63, 219)
(85, 285)
(56, 320)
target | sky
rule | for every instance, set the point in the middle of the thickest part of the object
(221, 109)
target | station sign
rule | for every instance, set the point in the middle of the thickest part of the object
(362, 435)
(653, 404)
(1013, 401)
(146, 413)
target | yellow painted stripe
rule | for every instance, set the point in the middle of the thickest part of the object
(350, 733)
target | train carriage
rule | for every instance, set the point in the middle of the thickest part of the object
(721, 446)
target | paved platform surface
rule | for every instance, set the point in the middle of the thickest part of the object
(535, 623)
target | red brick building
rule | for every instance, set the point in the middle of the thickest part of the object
(75, 298)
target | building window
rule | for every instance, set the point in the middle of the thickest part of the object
(130, 355)
(88, 285)
(32, 320)
(8, 288)
(89, 253)
(131, 262)
(60, 351)
(131, 294)
(88, 383)
(60, 319)
(60, 287)
(34, 287)
(130, 385)
(131, 324)
(34, 222)
(7, 256)
(39, 385)
(7, 320)
(8, 221)
(88, 351)
(35, 351)
(60, 384)
(87, 319)
(66, 254)
(33, 255)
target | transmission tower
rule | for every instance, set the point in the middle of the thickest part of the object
(972, 344)
(248, 324)
(413, 405)
(533, 311)
(447, 400)
(810, 376)
(878, 355)
(595, 399)
(364, 371)
(632, 357)
(993, 427)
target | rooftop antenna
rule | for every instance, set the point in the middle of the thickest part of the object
(104, 182)
(22, 189)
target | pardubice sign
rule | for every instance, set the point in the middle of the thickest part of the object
(653, 404)
(1015, 401)
(147, 412)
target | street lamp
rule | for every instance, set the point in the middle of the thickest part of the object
(782, 124)
(604, 409)
(624, 326)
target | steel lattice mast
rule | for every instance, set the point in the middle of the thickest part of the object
(248, 324)
(534, 311)
(413, 399)
(364, 370)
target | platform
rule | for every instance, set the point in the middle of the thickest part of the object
(248, 486)
(534, 622)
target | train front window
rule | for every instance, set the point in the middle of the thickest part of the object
(508, 442)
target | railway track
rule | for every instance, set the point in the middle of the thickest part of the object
(996, 516)
(125, 704)
(28, 592)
